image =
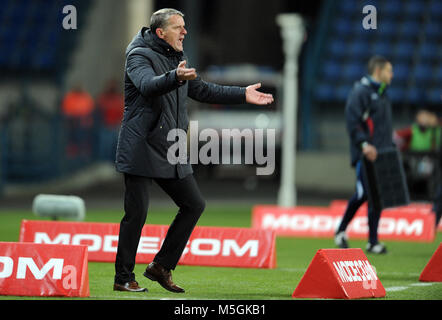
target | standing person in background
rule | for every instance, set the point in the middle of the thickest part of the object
(110, 106)
(78, 110)
(420, 144)
(369, 125)
(158, 81)
(423, 135)
(437, 208)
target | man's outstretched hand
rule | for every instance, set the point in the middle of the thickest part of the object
(183, 73)
(253, 96)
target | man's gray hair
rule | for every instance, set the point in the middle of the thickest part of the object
(160, 18)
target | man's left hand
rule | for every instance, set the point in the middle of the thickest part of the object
(253, 96)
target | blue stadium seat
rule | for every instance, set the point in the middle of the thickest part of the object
(428, 51)
(359, 48)
(53, 36)
(438, 74)
(375, 3)
(436, 8)
(40, 16)
(391, 8)
(342, 91)
(414, 8)
(16, 14)
(44, 60)
(410, 28)
(353, 71)
(331, 70)
(435, 95)
(387, 28)
(401, 71)
(337, 47)
(325, 92)
(415, 95)
(5, 54)
(343, 26)
(432, 29)
(396, 93)
(423, 73)
(404, 49)
(384, 48)
(7, 36)
(348, 6)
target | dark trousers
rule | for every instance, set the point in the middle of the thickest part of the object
(186, 195)
(358, 198)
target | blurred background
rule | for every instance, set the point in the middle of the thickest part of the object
(61, 97)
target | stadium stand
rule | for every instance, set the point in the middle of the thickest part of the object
(35, 55)
(31, 35)
(408, 33)
(33, 58)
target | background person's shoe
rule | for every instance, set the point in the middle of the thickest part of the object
(131, 286)
(378, 248)
(341, 240)
(157, 272)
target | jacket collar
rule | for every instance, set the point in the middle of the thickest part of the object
(159, 45)
(377, 86)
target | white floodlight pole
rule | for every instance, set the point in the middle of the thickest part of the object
(292, 32)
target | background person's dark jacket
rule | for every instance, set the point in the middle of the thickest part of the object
(155, 103)
(368, 117)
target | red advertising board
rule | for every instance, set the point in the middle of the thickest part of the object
(207, 246)
(323, 222)
(414, 207)
(29, 269)
(339, 274)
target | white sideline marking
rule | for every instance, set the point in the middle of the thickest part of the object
(410, 274)
(401, 288)
(392, 289)
(421, 284)
(293, 269)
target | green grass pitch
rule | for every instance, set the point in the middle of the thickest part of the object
(398, 271)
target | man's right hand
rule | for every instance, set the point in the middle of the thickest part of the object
(183, 73)
(370, 152)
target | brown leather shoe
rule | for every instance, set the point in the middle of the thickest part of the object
(131, 286)
(157, 272)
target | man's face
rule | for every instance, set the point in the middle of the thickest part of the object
(174, 32)
(386, 73)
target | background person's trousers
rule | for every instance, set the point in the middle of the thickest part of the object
(187, 196)
(359, 197)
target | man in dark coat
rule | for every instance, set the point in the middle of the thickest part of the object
(157, 83)
(369, 125)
